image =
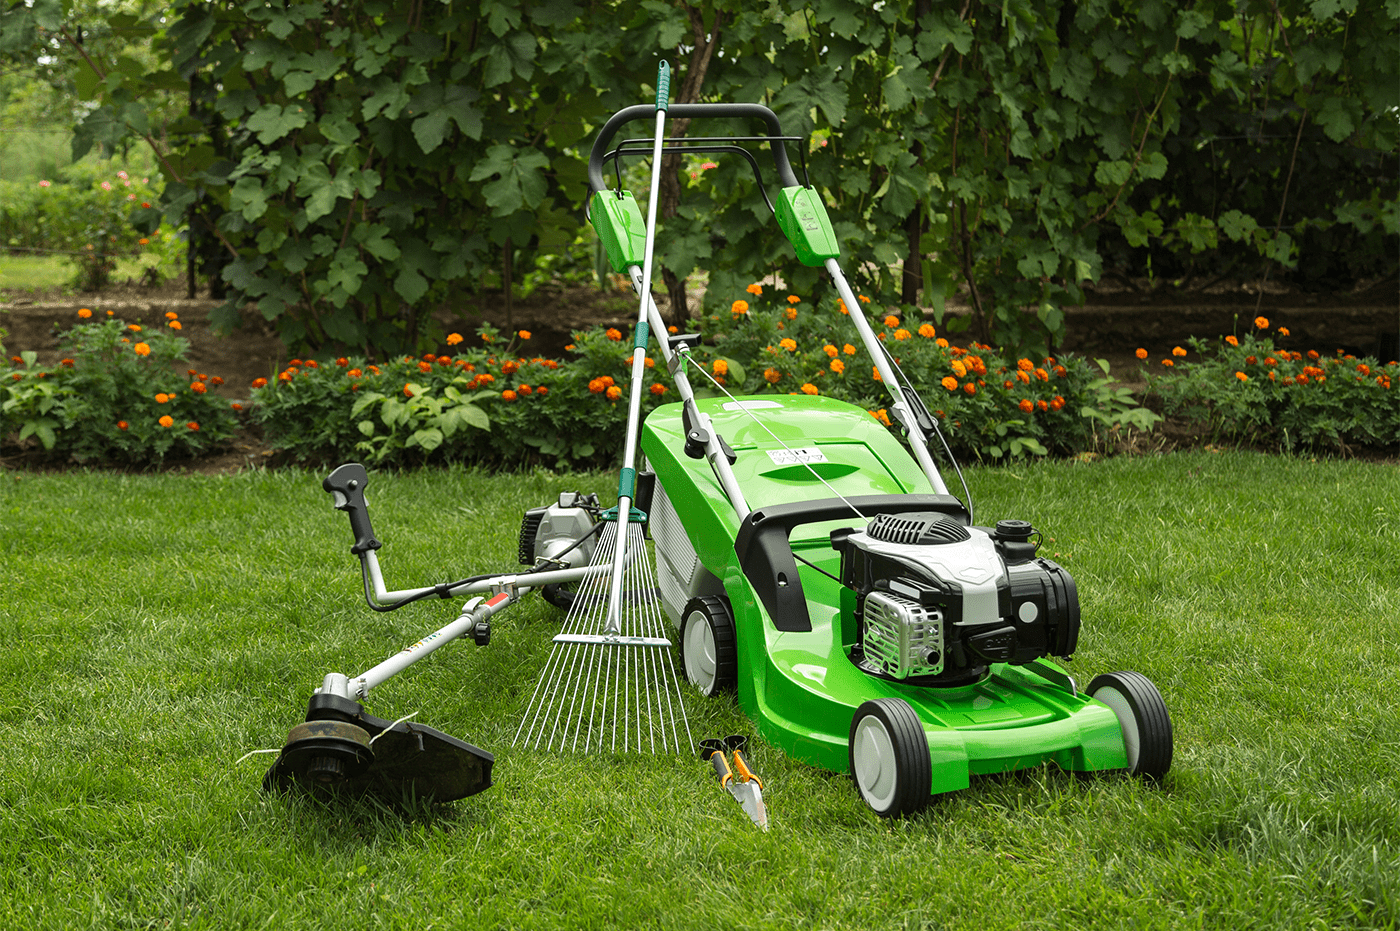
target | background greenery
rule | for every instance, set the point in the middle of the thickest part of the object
(345, 166)
(166, 626)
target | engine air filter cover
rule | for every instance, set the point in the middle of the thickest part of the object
(902, 638)
(923, 528)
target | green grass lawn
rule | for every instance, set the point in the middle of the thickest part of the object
(34, 272)
(159, 628)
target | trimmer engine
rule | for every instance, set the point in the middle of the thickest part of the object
(935, 598)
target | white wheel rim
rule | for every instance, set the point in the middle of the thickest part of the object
(873, 752)
(1127, 721)
(700, 661)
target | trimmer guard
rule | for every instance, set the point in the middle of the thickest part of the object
(796, 679)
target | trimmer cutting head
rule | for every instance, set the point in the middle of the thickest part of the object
(339, 748)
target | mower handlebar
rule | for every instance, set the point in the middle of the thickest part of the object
(688, 111)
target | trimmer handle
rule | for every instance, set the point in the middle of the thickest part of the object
(347, 484)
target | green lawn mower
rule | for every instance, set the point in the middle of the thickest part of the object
(813, 563)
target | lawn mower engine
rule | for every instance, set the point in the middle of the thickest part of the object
(935, 601)
(561, 536)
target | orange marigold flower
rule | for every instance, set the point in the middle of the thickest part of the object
(1042, 374)
(1041, 406)
(342, 362)
(657, 388)
(1261, 322)
(166, 421)
(794, 299)
(259, 382)
(1232, 341)
(1168, 363)
(755, 289)
(408, 390)
(524, 390)
(486, 379)
(613, 393)
(848, 349)
(841, 306)
(809, 388)
(1312, 353)
(790, 313)
(509, 367)
(424, 367)
(950, 383)
(1283, 331)
(720, 367)
(614, 334)
(789, 344)
(875, 374)
(1242, 376)
(862, 298)
(772, 376)
(84, 313)
(66, 363)
(1141, 353)
(454, 338)
(970, 388)
(238, 407)
(1250, 360)
(133, 327)
(739, 307)
(354, 373)
(142, 349)
(941, 342)
(1008, 384)
(1061, 371)
(193, 425)
(175, 325)
(524, 334)
(1363, 368)
(122, 424)
(831, 351)
(1273, 376)
(16, 376)
(1056, 403)
(171, 315)
(312, 364)
(541, 391)
(1026, 405)
(142, 241)
(901, 334)
(838, 366)
(507, 395)
(1178, 352)
(1025, 365)
(927, 331)
(1022, 377)
(198, 387)
(882, 416)
(891, 321)
(959, 369)
(296, 363)
(1270, 360)
(596, 386)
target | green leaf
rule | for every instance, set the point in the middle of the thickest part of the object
(272, 122)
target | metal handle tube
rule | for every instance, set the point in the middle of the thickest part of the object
(521, 579)
(917, 441)
(714, 453)
(473, 613)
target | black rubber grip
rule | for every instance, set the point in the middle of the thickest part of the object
(689, 111)
(347, 483)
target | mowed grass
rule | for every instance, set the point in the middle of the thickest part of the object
(159, 628)
(34, 273)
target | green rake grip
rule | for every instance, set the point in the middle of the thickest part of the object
(663, 86)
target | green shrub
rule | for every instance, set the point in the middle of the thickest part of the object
(119, 393)
(1249, 390)
(493, 404)
(93, 213)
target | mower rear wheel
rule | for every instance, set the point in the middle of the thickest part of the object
(889, 757)
(708, 650)
(1142, 714)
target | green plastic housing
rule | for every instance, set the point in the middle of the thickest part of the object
(803, 220)
(800, 687)
(620, 227)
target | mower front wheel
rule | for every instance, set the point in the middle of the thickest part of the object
(1142, 714)
(708, 650)
(889, 757)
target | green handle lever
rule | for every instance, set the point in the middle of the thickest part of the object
(663, 85)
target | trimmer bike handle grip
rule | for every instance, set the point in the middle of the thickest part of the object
(347, 485)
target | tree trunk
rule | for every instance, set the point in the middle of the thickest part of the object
(706, 41)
